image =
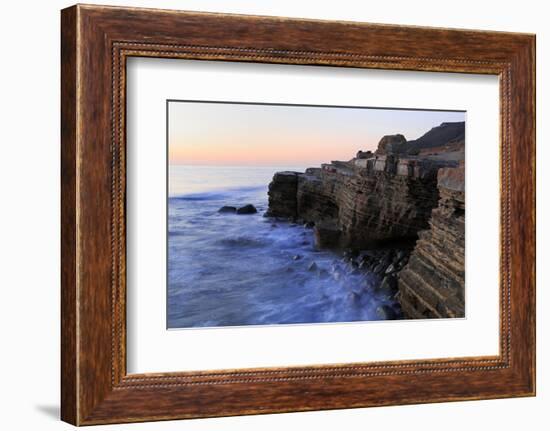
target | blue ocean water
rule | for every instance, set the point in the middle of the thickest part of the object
(235, 270)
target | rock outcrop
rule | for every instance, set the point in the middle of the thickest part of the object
(381, 200)
(405, 192)
(226, 209)
(362, 203)
(392, 144)
(247, 209)
(282, 195)
(432, 283)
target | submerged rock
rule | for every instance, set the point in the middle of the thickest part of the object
(312, 267)
(247, 209)
(227, 209)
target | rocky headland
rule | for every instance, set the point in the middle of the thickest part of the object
(397, 213)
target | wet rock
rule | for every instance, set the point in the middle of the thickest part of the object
(227, 209)
(380, 268)
(388, 288)
(366, 263)
(296, 257)
(397, 310)
(327, 235)
(401, 264)
(391, 269)
(385, 312)
(351, 254)
(309, 225)
(400, 255)
(247, 209)
(312, 267)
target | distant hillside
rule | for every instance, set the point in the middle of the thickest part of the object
(439, 136)
(445, 137)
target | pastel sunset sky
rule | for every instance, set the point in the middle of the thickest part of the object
(206, 133)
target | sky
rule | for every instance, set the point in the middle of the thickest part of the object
(206, 133)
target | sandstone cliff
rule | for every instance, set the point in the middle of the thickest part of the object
(406, 192)
(432, 283)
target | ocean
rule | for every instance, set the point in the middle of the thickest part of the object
(237, 270)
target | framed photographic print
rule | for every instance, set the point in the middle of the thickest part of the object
(267, 215)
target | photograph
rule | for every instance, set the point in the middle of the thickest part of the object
(283, 214)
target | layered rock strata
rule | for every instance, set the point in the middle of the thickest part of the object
(361, 203)
(282, 195)
(432, 283)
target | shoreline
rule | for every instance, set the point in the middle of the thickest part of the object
(404, 192)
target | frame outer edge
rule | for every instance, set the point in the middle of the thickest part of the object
(69, 201)
(523, 217)
(532, 100)
(533, 54)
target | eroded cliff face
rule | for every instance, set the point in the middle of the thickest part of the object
(282, 195)
(432, 283)
(405, 192)
(362, 203)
